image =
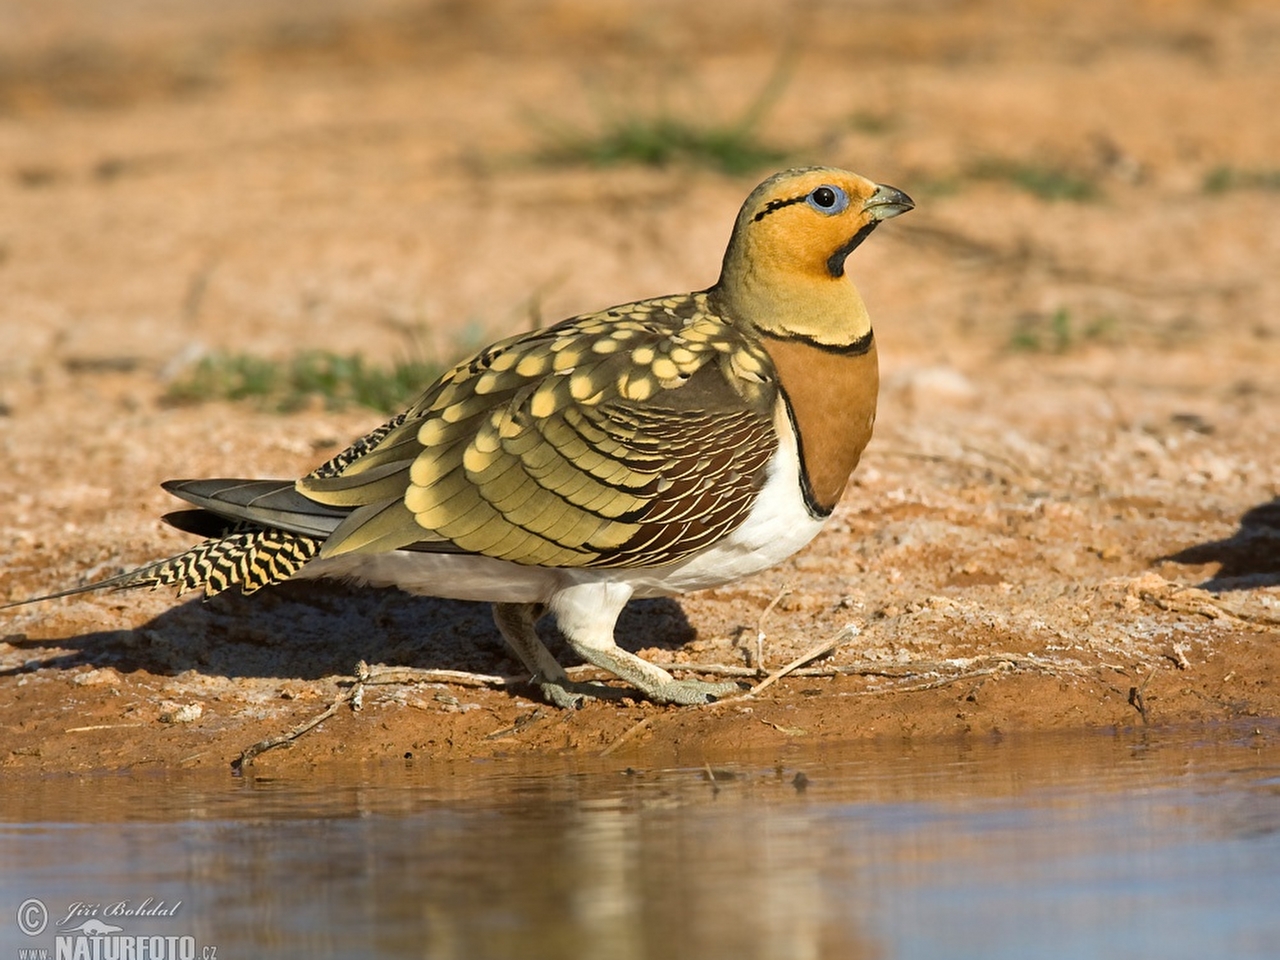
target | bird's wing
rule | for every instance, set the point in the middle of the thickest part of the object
(634, 436)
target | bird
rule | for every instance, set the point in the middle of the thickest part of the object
(651, 449)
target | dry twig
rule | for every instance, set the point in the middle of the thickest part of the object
(352, 694)
(760, 634)
(823, 649)
(939, 682)
(627, 735)
(527, 720)
(1138, 701)
(389, 675)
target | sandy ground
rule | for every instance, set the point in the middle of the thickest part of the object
(1070, 514)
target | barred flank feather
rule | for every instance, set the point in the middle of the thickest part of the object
(251, 559)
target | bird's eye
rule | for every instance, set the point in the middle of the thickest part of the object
(828, 199)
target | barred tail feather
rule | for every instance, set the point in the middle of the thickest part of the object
(250, 558)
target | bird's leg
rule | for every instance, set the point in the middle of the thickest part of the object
(516, 622)
(587, 613)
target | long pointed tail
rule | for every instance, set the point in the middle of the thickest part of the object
(245, 556)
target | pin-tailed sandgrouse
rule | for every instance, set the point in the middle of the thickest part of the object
(646, 450)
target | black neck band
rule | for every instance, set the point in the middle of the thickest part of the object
(858, 348)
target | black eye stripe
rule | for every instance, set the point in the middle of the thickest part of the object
(773, 205)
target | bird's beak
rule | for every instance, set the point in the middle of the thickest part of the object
(887, 202)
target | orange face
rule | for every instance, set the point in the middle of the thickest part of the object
(809, 220)
(784, 270)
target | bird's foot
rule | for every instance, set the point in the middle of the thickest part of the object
(689, 692)
(568, 695)
(571, 696)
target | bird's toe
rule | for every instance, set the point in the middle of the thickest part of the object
(690, 692)
(572, 696)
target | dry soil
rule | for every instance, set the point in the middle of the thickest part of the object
(1068, 518)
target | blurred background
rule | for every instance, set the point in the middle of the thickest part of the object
(259, 177)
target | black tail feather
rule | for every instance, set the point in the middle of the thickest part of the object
(265, 503)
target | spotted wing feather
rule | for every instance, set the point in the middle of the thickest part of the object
(633, 436)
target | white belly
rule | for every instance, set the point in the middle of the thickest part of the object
(778, 525)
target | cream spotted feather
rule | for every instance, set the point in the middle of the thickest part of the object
(631, 437)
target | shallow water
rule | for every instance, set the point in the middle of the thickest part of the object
(1157, 845)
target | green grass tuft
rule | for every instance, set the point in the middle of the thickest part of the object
(1045, 182)
(931, 185)
(287, 385)
(1223, 178)
(1058, 332)
(661, 138)
(872, 123)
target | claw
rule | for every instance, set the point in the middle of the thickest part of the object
(556, 695)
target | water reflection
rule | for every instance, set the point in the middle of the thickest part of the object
(1083, 846)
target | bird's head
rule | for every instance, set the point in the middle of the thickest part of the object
(784, 269)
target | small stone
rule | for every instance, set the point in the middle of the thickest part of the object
(935, 387)
(171, 712)
(97, 677)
